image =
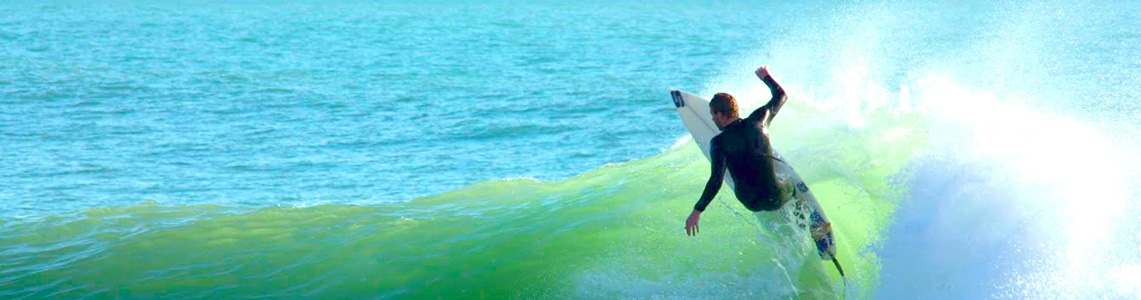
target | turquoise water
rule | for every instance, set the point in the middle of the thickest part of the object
(505, 149)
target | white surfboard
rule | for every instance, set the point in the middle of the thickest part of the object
(694, 112)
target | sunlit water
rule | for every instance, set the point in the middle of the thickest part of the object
(311, 149)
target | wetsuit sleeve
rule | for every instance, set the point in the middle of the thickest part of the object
(774, 104)
(715, 177)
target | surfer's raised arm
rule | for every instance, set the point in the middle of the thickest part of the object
(716, 176)
(775, 103)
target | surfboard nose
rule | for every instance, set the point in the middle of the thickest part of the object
(678, 102)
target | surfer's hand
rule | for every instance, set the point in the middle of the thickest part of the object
(691, 228)
(762, 72)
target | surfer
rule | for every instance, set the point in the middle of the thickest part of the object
(743, 147)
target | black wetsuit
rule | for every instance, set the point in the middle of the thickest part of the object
(743, 146)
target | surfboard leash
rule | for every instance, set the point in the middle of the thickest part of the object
(842, 277)
(838, 268)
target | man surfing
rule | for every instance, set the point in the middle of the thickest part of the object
(743, 147)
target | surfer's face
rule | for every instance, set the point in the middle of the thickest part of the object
(720, 119)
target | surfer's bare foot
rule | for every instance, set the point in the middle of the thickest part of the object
(822, 231)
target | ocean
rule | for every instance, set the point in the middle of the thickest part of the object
(311, 149)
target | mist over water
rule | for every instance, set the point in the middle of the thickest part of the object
(962, 150)
(1026, 186)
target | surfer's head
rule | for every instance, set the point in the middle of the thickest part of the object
(724, 109)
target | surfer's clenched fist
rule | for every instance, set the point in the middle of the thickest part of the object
(762, 72)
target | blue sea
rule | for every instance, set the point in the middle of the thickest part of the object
(299, 149)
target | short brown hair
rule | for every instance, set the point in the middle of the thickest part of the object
(724, 104)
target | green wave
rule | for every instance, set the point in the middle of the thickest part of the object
(612, 232)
